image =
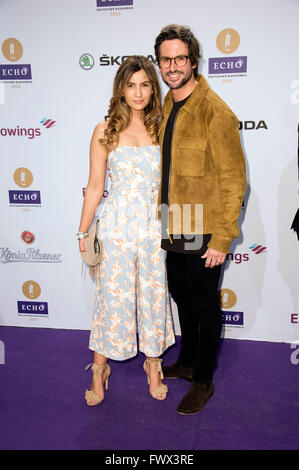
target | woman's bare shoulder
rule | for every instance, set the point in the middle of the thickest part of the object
(100, 129)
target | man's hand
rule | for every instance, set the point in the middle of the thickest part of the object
(213, 258)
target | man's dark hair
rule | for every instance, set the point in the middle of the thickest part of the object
(176, 31)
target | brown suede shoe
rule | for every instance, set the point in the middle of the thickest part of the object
(195, 399)
(175, 371)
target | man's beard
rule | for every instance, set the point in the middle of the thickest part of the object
(180, 84)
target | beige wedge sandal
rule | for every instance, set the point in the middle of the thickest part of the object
(92, 398)
(160, 392)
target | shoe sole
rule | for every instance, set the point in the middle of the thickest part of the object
(183, 378)
(194, 412)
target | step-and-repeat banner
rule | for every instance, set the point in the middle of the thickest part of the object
(57, 64)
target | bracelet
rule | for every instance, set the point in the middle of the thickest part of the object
(81, 235)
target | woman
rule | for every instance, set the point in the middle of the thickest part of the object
(131, 289)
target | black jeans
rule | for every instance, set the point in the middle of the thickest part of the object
(194, 288)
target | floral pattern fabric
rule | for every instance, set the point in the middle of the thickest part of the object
(131, 294)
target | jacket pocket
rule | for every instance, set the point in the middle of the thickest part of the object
(191, 156)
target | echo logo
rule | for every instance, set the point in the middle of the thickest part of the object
(12, 49)
(228, 41)
(32, 290)
(233, 318)
(228, 298)
(229, 65)
(23, 177)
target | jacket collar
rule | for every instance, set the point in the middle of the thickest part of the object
(196, 97)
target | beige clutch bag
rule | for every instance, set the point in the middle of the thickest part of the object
(92, 255)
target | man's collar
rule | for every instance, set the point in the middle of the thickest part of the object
(196, 96)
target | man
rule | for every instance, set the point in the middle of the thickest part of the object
(203, 170)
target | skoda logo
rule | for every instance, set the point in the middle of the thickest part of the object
(86, 61)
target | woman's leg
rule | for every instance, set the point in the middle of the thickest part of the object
(152, 367)
(99, 378)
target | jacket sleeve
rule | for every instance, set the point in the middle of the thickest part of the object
(228, 158)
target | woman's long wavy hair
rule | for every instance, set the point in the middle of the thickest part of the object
(119, 113)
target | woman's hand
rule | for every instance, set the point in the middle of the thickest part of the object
(82, 245)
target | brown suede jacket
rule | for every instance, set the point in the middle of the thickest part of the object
(207, 166)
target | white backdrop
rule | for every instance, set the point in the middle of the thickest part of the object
(72, 49)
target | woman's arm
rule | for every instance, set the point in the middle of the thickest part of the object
(96, 181)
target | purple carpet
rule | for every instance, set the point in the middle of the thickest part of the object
(255, 404)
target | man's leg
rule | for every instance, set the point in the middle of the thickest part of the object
(204, 296)
(203, 284)
(183, 368)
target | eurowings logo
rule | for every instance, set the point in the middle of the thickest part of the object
(47, 122)
(257, 248)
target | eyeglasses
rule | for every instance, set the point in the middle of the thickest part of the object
(179, 60)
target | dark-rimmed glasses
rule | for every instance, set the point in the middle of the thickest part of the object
(179, 60)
